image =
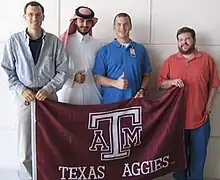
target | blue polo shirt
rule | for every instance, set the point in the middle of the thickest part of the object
(113, 59)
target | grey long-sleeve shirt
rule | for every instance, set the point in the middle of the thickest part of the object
(50, 72)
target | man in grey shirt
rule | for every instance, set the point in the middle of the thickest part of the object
(37, 66)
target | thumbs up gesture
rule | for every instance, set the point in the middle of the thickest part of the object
(80, 77)
(121, 82)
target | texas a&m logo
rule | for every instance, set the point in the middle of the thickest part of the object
(120, 138)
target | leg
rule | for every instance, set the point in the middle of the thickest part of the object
(199, 142)
(182, 174)
(24, 139)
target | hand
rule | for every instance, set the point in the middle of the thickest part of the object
(28, 94)
(140, 94)
(80, 77)
(121, 83)
(41, 95)
(177, 82)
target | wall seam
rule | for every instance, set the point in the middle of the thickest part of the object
(150, 23)
(59, 16)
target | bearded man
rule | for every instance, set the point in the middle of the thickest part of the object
(80, 87)
(195, 71)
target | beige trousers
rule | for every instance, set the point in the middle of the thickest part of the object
(24, 137)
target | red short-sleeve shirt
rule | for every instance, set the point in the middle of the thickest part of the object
(199, 75)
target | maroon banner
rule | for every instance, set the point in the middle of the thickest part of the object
(133, 139)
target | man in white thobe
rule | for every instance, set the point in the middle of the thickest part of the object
(80, 87)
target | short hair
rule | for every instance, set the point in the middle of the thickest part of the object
(33, 3)
(186, 30)
(123, 15)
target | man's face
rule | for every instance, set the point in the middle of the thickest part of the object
(186, 44)
(34, 17)
(84, 25)
(122, 27)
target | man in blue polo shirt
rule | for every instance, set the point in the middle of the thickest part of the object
(122, 67)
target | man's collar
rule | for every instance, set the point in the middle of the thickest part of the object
(117, 44)
(28, 37)
(82, 38)
(196, 54)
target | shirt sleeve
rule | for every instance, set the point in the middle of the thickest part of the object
(146, 63)
(62, 69)
(163, 73)
(8, 65)
(214, 77)
(100, 67)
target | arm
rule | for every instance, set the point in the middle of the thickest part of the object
(144, 86)
(57, 82)
(62, 69)
(146, 70)
(209, 104)
(104, 81)
(214, 83)
(99, 71)
(166, 84)
(164, 81)
(145, 81)
(119, 83)
(146, 74)
(8, 64)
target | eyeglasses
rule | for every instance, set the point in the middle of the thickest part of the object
(37, 15)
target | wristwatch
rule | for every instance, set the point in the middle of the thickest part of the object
(145, 90)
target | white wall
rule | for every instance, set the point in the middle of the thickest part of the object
(155, 23)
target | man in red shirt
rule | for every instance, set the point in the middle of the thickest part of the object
(195, 71)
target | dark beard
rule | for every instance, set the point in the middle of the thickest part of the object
(189, 51)
(83, 33)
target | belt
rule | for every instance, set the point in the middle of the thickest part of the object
(35, 89)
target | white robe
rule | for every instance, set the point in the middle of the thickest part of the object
(82, 51)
